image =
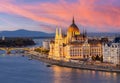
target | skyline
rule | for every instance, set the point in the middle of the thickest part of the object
(94, 16)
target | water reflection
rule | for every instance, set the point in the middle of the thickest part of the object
(108, 76)
(17, 68)
(20, 70)
(61, 74)
(69, 75)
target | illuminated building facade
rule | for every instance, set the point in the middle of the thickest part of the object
(46, 44)
(73, 45)
(111, 52)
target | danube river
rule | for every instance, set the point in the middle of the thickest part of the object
(18, 69)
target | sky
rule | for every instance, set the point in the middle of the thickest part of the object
(46, 15)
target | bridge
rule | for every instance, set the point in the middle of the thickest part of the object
(9, 49)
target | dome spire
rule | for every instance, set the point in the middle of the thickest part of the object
(73, 21)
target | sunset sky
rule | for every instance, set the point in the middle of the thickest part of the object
(45, 15)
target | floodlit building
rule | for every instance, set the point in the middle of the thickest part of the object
(74, 45)
(46, 44)
(111, 52)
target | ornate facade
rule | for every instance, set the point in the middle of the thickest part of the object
(73, 45)
(111, 52)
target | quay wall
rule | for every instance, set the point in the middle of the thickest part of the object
(74, 65)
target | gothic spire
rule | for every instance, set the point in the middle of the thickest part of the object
(73, 21)
(57, 33)
(60, 33)
(85, 32)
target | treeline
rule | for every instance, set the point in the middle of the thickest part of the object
(16, 42)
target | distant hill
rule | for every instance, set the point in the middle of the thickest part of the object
(27, 33)
(24, 33)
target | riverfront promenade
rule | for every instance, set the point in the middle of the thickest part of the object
(79, 65)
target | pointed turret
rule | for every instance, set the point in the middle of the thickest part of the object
(56, 34)
(73, 21)
(60, 33)
(85, 32)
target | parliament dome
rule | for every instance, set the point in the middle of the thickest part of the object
(73, 29)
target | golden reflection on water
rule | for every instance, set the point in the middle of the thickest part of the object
(108, 75)
(58, 72)
(70, 74)
(61, 74)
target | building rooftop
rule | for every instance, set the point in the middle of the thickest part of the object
(117, 40)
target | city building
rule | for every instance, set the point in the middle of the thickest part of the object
(111, 52)
(74, 45)
(46, 44)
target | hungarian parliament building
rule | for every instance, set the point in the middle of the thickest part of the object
(75, 45)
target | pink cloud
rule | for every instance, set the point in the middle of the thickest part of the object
(92, 13)
(14, 9)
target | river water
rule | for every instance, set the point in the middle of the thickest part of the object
(18, 69)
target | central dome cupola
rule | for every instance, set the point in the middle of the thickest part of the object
(73, 29)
